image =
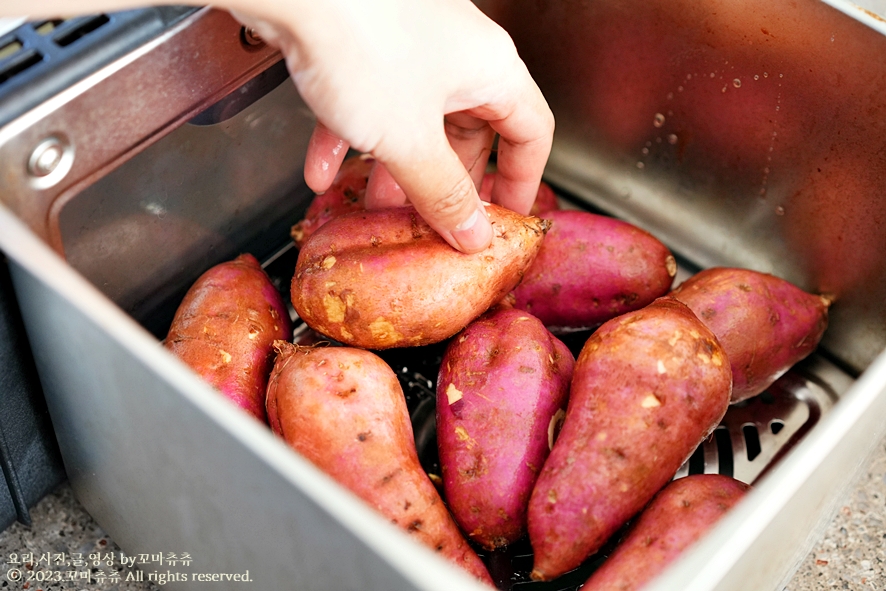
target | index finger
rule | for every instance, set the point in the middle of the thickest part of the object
(525, 125)
(442, 191)
(326, 151)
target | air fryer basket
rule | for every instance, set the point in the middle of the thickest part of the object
(161, 174)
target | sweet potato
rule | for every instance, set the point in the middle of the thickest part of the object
(225, 329)
(764, 323)
(501, 391)
(677, 517)
(591, 268)
(647, 389)
(383, 278)
(344, 410)
(545, 199)
(346, 194)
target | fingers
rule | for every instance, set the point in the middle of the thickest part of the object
(326, 151)
(444, 194)
(471, 138)
(526, 132)
(382, 190)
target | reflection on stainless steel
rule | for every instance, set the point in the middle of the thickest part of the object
(149, 100)
(760, 122)
(197, 196)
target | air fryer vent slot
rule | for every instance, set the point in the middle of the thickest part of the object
(10, 48)
(47, 27)
(41, 58)
(28, 45)
(80, 30)
(15, 59)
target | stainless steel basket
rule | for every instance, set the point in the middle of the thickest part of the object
(155, 172)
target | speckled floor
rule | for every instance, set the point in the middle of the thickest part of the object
(851, 555)
(61, 547)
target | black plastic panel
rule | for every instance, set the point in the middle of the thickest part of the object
(29, 455)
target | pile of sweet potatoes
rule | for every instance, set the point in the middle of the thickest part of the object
(534, 443)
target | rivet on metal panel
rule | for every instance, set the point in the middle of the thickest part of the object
(50, 161)
(250, 36)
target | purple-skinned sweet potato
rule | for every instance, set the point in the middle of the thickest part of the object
(344, 410)
(225, 328)
(345, 195)
(765, 324)
(648, 387)
(501, 391)
(383, 278)
(680, 514)
(591, 268)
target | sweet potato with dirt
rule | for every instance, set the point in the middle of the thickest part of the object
(591, 268)
(765, 324)
(545, 199)
(501, 392)
(346, 194)
(344, 410)
(648, 387)
(225, 328)
(677, 517)
(383, 278)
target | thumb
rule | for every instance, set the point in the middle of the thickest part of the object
(442, 191)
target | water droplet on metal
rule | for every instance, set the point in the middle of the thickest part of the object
(712, 74)
(736, 83)
(672, 139)
(766, 74)
(155, 208)
(658, 120)
(779, 210)
(756, 76)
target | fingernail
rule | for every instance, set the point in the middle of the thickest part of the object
(474, 234)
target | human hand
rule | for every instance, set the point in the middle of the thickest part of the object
(423, 86)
